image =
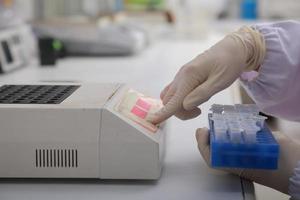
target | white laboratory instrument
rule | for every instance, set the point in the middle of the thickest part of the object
(96, 39)
(17, 47)
(78, 131)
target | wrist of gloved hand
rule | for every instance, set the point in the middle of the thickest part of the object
(254, 45)
(276, 179)
(210, 72)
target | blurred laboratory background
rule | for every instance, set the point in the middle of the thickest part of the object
(125, 36)
(126, 27)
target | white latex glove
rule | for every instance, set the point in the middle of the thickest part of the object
(210, 72)
(276, 179)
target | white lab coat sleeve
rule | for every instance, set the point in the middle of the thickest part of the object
(294, 186)
(276, 88)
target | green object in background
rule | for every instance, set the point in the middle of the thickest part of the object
(145, 4)
(57, 45)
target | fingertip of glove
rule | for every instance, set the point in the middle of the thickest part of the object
(203, 144)
(159, 116)
(202, 135)
(155, 118)
(197, 135)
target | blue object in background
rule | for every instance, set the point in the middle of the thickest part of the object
(260, 154)
(248, 9)
(119, 5)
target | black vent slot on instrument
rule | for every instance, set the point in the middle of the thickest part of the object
(56, 158)
(35, 94)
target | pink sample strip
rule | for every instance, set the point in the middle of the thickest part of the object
(139, 112)
(143, 104)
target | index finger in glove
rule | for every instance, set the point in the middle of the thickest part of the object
(171, 107)
(164, 91)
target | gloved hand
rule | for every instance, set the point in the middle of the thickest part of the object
(276, 179)
(210, 72)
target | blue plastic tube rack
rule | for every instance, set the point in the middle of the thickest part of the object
(262, 152)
